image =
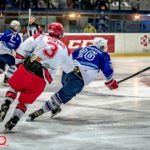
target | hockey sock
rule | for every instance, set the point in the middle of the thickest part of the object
(20, 110)
(11, 71)
(11, 95)
(53, 103)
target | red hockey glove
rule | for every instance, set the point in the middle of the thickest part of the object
(112, 84)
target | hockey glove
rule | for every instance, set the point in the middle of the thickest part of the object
(112, 84)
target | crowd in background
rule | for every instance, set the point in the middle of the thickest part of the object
(68, 4)
(99, 24)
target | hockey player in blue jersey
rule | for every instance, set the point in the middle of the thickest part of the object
(9, 42)
(85, 66)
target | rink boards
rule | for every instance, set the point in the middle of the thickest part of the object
(97, 118)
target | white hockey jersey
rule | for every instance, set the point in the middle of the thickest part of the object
(47, 50)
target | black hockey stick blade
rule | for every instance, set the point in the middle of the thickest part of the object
(143, 70)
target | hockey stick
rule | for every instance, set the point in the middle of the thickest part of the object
(29, 15)
(133, 75)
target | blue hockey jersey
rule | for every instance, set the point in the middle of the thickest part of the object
(90, 61)
(10, 40)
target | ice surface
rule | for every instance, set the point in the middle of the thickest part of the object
(96, 119)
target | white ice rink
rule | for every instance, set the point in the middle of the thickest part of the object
(96, 119)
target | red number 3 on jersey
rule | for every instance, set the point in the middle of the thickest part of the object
(50, 53)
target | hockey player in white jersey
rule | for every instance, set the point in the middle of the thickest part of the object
(87, 63)
(47, 52)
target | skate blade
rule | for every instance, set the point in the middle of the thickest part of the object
(29, 119)
(53, 115)
(1, 120)
(7, 130)
(1, 116)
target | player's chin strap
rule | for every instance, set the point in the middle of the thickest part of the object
(143, 70)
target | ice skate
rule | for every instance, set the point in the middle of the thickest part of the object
(3, 111)
(11, 123)
(35, 114)
(55, 112)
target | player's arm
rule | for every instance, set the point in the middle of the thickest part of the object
(3, 35)
(25, 49)
(108, 72)
(18, 42)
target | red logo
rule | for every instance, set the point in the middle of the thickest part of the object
(145, 40)
(79, 40)
(3, 141)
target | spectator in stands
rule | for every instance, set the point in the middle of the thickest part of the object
(53, 4)
(35, 3)
(8, 4)
(135, 5)
(103, 23)
(76, 4)
(89, 29)
(102, 4)
(63, 4)
(42, 4)
(25, 4)
(2, 3)
(87, 4)
(70, 4)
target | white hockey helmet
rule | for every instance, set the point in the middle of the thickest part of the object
(15, 25)
(100, 43)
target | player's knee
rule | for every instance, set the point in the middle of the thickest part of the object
(66, 96)
(22, 107)
(20, 110)
(11, 94)
(77, 90)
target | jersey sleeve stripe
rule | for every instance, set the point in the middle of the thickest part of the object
(47, 75)
(19, 56)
